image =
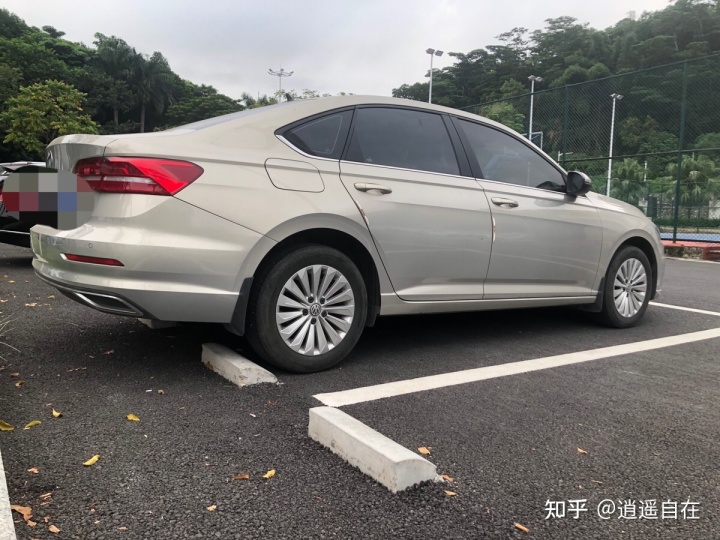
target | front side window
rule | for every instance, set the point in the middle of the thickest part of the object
(402, 138)
(505, 159)
(322, 137)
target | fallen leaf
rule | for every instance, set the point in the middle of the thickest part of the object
(92, 460)
(133, 418)
(31, 523)
(111, 351)
(161, 392)
(596, 481)
(51, 296)
(53, 529)
(269, 474)
(4, 426)
(19, 384)
(56, 414)
(212, 508)
(447, 478)
(424, 451)
(26, 511)
(16, 374)
(31, 305)
(46, 495)
(32, 424)
(46, 519)
(581, 451)
(243, 476)
(34, 470)
(11, 281)
(522, 528)
(122, 528)
(450, 493)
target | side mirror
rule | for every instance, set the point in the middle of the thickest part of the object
(578, 183)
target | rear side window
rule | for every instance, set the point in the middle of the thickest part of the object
(321, 137)
(402, 138)
(505, 159)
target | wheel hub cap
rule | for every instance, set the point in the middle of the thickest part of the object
(630, 287)
(315, 310)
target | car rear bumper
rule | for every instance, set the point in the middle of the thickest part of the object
(190, 274)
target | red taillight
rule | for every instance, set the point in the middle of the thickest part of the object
(92, 260)
(149, 176)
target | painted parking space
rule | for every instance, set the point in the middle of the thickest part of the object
(158, 476)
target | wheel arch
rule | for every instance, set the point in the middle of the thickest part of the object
(362, 255)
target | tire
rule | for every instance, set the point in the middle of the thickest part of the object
(291, 328)
(628, 287)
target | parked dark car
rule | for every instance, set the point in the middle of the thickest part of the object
(12, 230)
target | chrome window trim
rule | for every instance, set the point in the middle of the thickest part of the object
(293, 147)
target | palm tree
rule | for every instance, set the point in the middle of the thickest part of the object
(699, 181)
(629, 186)
(153, 83)
(114, 57)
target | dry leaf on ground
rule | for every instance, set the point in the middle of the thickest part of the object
(45, 496)
(447, 478)
(26, 511)
(16, 374)
(53, 529)
(522, 528)
(581, 451)
(212, 508)
(33, 304)
(450, 493)
(122, 528)
(32, 424)
(133, 418)
(31, 523)
(269, 474)
(243, 476)
(4, 426)
(92, 460)
(161, 392)
(56, 414)
(19, 384)
(424, 451)
(34, 470)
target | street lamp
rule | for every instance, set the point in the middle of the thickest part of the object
(533, 80)
(615, 98)
(280, 74)
(432, 52)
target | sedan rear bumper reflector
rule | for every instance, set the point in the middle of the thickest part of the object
(91, 260)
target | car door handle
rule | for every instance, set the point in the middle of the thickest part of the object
(373, 187)
(505, 203)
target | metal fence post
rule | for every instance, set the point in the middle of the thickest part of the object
(566, 114)
(683, 107)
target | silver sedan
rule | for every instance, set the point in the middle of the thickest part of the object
(299, 224)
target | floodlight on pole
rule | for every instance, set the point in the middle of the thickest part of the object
(280, 74)
(615, 99)
(533, 79)
(432, 52)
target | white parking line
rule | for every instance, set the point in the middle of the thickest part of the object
(409, 386)
(681, 308)
(7, 527)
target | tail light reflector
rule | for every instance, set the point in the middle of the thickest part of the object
(149, 176)
(91, 260)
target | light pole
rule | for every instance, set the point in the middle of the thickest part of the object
(563, 154)
(432, 52)
(533, 80)
(615, 98)
(280, 74)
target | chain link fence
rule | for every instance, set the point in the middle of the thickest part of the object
(665, 125)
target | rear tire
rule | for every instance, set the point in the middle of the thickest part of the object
(308, 310)
(628, 287)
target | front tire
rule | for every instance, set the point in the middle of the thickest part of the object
(308, 311)
(628, 288)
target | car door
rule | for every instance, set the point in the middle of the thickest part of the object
(547, 243)
(426, 213)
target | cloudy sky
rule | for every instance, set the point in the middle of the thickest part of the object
(358, 46)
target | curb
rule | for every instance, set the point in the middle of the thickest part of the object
(381, 458)
(235, 368)
(7, 527)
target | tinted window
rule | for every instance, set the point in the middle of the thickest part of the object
(505, 159)
(322, 137)
(402, 138)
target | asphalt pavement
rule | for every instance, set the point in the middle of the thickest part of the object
(648, 422)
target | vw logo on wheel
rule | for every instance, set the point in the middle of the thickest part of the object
(315, 310)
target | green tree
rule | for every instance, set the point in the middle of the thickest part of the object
(505, 114)
(42, 112)
(203, 102)
(628, 183)
(699, 181)
(114, 59)
(153, 84)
